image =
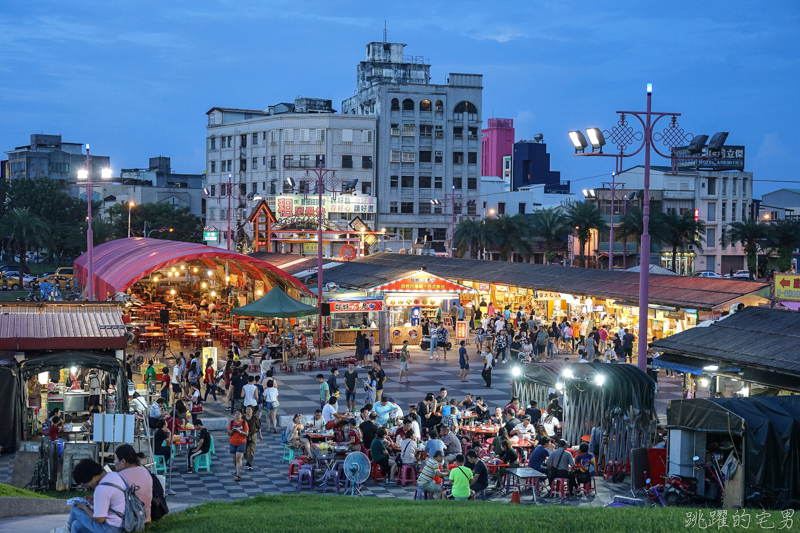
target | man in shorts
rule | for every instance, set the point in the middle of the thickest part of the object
(350, 382)
(432, 469)
(463, 360)
(404, 363)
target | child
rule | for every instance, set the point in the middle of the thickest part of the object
(404, 360)
(480, 337)
(324, 391)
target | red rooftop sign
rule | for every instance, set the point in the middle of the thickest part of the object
(422, 282)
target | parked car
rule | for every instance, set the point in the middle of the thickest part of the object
(706, 274)
(739, 274)
(15, 268)
(60, 281)
(8, 283)
(27, 279)
(64, 271)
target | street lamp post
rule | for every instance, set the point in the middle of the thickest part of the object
(88, 183)
(453, 195)
(130, 205)
(612, 185)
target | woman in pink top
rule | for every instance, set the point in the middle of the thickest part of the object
(603, 333)
(491, 309)
(126, 464)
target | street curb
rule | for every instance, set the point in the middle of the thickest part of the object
(12, 507)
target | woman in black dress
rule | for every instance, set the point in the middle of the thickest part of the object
(360, 339)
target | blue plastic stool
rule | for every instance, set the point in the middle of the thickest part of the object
(288, 454)
(212, 449)
(306, 473)
(161, 464)
(203, 461)
(333, 477)
(421, 494)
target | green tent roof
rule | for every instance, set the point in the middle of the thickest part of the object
(276, 303)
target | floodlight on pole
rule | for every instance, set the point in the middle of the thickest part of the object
(105, 173)
(597, 138)
(578, 141)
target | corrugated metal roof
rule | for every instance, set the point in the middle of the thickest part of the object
(54, 326)
(291, 264)
(757, 336)
(680, 291)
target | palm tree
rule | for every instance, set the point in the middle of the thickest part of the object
(682, 230)
(785, 236)
(472, 234)
(511, 234)
(584, 217)
(632, 226)
(748, 233)
(549, 224)
(23, 230)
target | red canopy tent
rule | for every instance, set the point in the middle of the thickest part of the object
(121, 263)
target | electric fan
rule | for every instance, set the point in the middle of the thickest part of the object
(356, 468)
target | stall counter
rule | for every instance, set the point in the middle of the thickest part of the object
(412, 334)
(347, 337)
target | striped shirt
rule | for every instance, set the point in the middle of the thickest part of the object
(428, 472)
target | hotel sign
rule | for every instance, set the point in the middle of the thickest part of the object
(729, 158)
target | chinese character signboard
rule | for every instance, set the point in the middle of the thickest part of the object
(547, 295)
(300, 206)
(461, 330)
(730, 158)
(357, 224)
(787, 287)
(210, 236)
(310, 247)
(357, 307)
(422, 282)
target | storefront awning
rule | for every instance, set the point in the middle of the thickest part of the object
(422, 282)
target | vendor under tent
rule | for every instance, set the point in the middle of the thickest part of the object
(760, 434)
(620, 399)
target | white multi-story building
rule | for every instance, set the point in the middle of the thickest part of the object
(715, 197)
(428, 142)
(251, 154)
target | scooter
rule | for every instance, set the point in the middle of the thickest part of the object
(682, 490)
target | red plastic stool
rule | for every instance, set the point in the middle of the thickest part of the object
(560, 485)
(301, 367)
(589, 487)
(294, 468)
(323, 365)
(303, 459)
(408, 474)
(377, 472)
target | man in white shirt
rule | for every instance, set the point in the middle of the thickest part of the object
(584, 328)
(524, 429)
(330, 415)
(250, 393)
(499, 325)
(211, 307)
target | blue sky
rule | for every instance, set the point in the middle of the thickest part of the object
(134, 79)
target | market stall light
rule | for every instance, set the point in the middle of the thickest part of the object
(194, 270)
(210, 273)
(516, 371)
(44, 378)
(704, 382)
(73, 370)
(227, 278)
(567, 373)
(172, 292)
(711, 368)
(600, 379)
(155, 278)
(203, 285)
(213, 293)
(259, 293)
(559, 386)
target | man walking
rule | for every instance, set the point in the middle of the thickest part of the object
(380, 379)
(463, 361)
(350, 382)
(404, 360)
(486, 374)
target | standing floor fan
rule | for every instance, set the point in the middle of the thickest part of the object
(356, 468)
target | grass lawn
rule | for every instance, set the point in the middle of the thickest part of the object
(7, 491)
(11, 296)
(308, 514)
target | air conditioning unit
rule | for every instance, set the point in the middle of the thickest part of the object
(439, 108)
(395, 132)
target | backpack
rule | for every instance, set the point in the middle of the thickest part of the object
(285, 435)
(134, 517)
(158, 506)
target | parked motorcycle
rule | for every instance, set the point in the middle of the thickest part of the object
(682, 490)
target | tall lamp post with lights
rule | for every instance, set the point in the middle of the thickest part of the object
(130, 206)
(325, 181)
(453, 196)
(612, 187)
(624, 136)
(85, 180)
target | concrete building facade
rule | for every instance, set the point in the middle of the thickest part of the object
(49, 156)
(427, 143)
(783, 203)
(251, 154)
(497, 143)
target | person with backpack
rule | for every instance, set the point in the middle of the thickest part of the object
(109, 501)
(127, 463)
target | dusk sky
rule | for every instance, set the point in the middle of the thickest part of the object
(135, 79)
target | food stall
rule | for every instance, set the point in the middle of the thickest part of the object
(413, 297)
(348, 315)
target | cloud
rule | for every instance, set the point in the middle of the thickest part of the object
(772, 147)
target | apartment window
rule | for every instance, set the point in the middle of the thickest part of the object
(212, 212)
(395, 104)
(273, 162)
(243, 189)
(320, 136)
(437, 182)
(407, 182)
(347, 136)
(255, 139)
(472, 158)
(744, 211)
(425, 131)
(409, 130)
(304, 159)
(424, 182)
(439, 234)
(243, 141)
(393, 181)
(439, 157)
(213, 168)
(223, 214)
(264, 160)
(395, 130)
(473, 133)
(408, 104)
(457, 183)
(472, 184)
(393, 207)
(366, 161)
(458, 132)
(273, 136)
(366, 188)
(425, 105)
(407, 207)
(366, 136)
(712, 186)
(409, 157)
(213, 190)
(273, 187)
(744, 186)
(722, 212)
(223, 190)
(472, 209)
(242, 165)
(255, 186)
(712, 210)
(264, 137)
(458, 158)
(457, 209)
(287, 161)
(424, 156)
(230, 165)
(711, 237)
(501, 208)
(289, 136)
(255, 163)
(425, 208)
(319, 161)
(347, 161)
(394, 156)
(733, 211)
(734, 184)
(213, 141)
(230, 141)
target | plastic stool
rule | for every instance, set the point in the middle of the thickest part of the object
(288, 454)
(161, 464)
(203, 462)
(333, 476)
(294, 468)
(483, 495)
(402, 478)
(306, 474)
(211, 448)
(588, 487)
(560, 485)
(422, 495)
(303, 459)
(376, 471)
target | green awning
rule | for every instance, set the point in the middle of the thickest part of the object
(276, 303)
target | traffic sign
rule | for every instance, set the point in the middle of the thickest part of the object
(210, 236)
(787, 287)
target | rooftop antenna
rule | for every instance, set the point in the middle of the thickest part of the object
(384, 30)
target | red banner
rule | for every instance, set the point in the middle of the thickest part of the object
(356, 307)
(461, 330)
(422, 282)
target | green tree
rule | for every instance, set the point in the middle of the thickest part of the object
(472, 234)
(784, 235)
(748, 233)
(510, 234)
(186, 226)
(584, 217)
(549, 224)
(631, 226)
(680, 231)
(23, 229)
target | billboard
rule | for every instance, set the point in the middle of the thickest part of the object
(211, 235)
(729, 158)
(787, 287)
(289, 206)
